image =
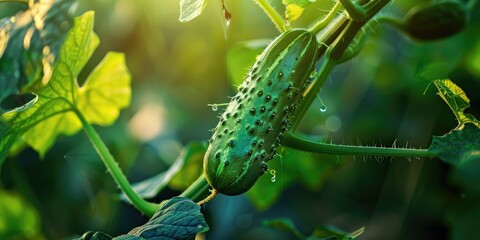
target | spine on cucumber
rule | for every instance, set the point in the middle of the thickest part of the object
(250, 129)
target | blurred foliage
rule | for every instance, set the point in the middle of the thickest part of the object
(380, 97)
(18, 218)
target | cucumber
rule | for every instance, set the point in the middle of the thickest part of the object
(250, 129)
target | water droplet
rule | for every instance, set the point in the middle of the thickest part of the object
(313, 73)
(323, 107)
(64, 26)
(214, 107)
(280, 74)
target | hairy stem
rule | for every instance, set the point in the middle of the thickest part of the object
(141, 204)
(273, 15)
(293, 141)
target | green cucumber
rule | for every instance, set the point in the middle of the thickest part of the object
(250, 129)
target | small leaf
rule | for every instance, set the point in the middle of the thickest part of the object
(333, 232)
(190, 9)
(457, 100)
(193, 166)
(241, 58)
(150, 187)
(106, 90)
(177, 218)
(323, 232)
(294, 8)
(284, 224)
(459, 146)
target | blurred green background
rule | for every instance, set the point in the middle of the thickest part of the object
(378, 98)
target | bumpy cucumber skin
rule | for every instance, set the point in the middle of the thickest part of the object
(250, 129)
(436, 20)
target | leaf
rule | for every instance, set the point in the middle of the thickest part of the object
(293, 165)
(294, 8)
(150, 187)
(241, 58)
(99, 105)
(177, 218)
(18, 218)
(190, 9)
(459, 146)
(323, 232)
(52, 111)
(193, 167)
(333, 232)
(284, 224)
(457, 100)
(29, 45)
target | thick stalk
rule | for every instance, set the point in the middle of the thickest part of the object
(274, 16)
(141, 204)
(198, 190)
(292, 141)
(326, 20)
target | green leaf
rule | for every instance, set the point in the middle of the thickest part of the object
(193, 166)
(18, 219)
(294, 8)
(284, 224)
(177, 218)
(333, 232)
(459, 146)
(29, 45)
(323, 232)
(293, 165)
(106, 90)
(241, 58)
(190, 9)
(192, 152)
(457, 100)
(52, 111)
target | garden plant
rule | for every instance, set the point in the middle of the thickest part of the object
(282, 138)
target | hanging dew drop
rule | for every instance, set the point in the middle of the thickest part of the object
(323, 108)
(313, 74)
(214, 107)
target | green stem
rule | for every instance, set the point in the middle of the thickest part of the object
(292, 141)
(326, 20)
(198, 190)
(141, 204)
(273, 15)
